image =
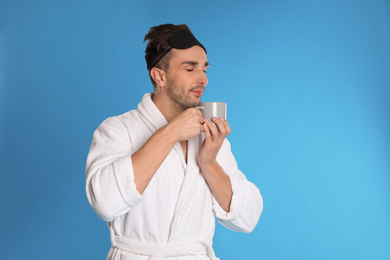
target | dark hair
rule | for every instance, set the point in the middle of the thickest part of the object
(158, 37)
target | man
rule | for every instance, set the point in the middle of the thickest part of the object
(160, 174)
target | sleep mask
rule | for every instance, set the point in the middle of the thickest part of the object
(181, 39)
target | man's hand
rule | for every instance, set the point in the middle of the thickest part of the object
(213, 141)
(148, 159)
(186, 125)
(216, 178)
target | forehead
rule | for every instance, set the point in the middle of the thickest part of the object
(194, 54)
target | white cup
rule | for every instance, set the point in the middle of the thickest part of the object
(213, 109)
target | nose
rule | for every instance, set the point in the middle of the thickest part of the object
(202, 78)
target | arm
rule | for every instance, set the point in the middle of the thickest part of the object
(217, 179)
(110, 186)
(116, 175)
(148, 159)
(237, 202)
(246, 203)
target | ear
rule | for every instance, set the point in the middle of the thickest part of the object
(159, 76)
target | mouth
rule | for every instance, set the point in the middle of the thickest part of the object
(197, 92)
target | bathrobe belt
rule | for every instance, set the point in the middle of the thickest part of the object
(156, 250)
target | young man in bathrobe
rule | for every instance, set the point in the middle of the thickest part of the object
(160, 174)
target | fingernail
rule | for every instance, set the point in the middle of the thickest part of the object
(222, 119)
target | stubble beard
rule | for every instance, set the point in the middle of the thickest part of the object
(179, 98)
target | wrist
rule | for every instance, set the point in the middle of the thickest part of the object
(209, 166)
(166, 134)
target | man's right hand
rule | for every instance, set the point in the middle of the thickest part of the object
(148, 159)
(186, 125)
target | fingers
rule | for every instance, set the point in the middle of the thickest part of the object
(214, 139)
(187, 124)
(194, 115)
(207, 130)
(227, 126)
(218, 132)
(195, 110)
(213, 129)
(197, 114)
(223, 126)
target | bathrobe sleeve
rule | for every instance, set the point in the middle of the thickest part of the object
(110, 185)
(247, 203)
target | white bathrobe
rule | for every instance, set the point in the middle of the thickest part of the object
(175, 216)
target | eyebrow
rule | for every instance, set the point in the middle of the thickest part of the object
(193, 63)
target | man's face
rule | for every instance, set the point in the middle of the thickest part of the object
(186, 77)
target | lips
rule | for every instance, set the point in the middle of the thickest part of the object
(197, 92)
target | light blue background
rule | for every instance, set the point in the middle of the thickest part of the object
(307, 86)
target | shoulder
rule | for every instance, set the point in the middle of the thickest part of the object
(119, 123)
(122, 120)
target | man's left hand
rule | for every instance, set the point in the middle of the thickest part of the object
(213, 141)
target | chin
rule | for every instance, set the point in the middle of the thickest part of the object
(191, 105)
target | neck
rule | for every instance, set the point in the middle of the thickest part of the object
(164, 104)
